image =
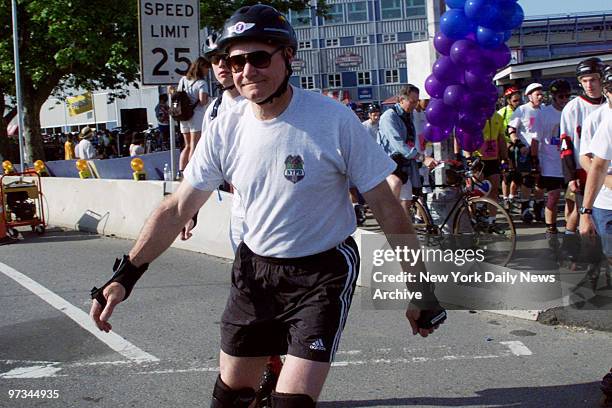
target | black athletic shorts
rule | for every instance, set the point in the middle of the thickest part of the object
(295, 306)
(550, 183)
(513, 176)
(490, 168)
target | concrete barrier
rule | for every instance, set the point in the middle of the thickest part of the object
(120, 208)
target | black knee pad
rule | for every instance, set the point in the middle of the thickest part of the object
(225, 397)
(280, 400)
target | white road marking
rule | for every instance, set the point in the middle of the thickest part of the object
(112, 339)
(39, 369)
(517, 348)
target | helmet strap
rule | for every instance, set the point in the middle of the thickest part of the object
(283, 86)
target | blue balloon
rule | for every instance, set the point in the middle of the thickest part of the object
(455, 24)
(499, 17)
(517, 17)
(507, 35)
(455, 4)
(489, 38)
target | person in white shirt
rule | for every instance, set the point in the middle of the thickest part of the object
(195, 85)
(589, 74)
(373, 119)
(545, 147)
(136, 147)
(521, 131)
(85, 149)
(291, 154)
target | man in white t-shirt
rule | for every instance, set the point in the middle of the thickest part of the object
(290, 153)
(545, 149)
(85, 149)
(588, 73)
(521, 131)
(371, 124)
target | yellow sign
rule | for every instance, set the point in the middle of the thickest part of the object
(79, 104)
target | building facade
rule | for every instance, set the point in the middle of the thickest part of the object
(357, 51)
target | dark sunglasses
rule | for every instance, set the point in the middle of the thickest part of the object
(217, 58)
(258, 59)
(562, 96)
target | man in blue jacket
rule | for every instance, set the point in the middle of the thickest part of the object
(397, 136)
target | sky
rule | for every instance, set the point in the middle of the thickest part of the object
(544, 7)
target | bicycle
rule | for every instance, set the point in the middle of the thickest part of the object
(478, 221)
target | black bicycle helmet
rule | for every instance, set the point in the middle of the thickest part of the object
(560, 85)
(590, 66)
(373, 107)
(259, 23)
(210, 46)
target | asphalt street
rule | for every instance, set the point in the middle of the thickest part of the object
(166, 355)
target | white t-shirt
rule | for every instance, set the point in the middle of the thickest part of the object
(371, 128)
(572, 118)
(136, 150)
(523, 118)
(601, 146)
(237, 216)
(193, 88)
(85, 150)
(292, 172)
(547, 134)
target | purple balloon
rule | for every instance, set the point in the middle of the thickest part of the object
(465, 53)
(435, 134)
(434, 88)
(456, 96)
(441, 115)
(499, 56)
(443, 44)
(484, 67)
(447, 72)
(455, 24)
(470, 142)
(471, 122)
(477, 83)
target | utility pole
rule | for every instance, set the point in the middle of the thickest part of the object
(18, 85)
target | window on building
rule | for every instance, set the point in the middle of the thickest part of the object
(332, 42)
(390, 9)
(335, 15)
(419, 35)
(300, 18)
(307, 82)
(392, 76)
(415, 8)
(305, 45)
(334, 80)
(364, 78)
(387, 38)
(362, 40)
(357, 11)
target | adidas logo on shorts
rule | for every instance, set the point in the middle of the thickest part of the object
(318, 345)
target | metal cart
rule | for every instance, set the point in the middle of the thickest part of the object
(22, 202)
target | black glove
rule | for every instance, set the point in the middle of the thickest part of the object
(125, 273)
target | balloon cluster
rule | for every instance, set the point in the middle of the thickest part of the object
(472, 45)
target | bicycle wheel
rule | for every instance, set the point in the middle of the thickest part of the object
(482, 223)
(420, 217)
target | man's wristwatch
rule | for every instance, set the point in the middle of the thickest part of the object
(584, 210)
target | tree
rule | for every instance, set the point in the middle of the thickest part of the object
(81, 44)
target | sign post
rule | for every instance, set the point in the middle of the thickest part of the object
(169, 32)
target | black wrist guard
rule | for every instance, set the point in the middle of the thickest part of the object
(432, 313)
(125, 273)
(195, 219)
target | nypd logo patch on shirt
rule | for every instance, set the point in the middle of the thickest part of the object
(294, 168)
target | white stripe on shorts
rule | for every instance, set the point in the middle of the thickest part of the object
(347, 292)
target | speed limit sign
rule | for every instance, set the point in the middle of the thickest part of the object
(169, 39)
